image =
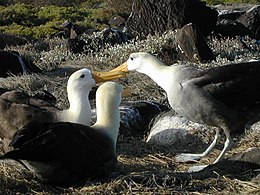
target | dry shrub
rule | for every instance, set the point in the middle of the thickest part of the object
(144, 168)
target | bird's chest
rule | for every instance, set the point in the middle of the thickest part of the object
(185, 103)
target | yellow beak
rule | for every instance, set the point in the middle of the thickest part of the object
(122, 68)
(107, 76)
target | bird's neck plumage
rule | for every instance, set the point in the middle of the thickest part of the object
(158, 72)
(80, 108)
(108, 119)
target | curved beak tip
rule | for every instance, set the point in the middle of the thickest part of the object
(123, 68)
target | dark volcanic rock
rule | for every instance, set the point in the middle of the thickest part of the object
(14, 63)
(151, 16)
(187, 45)
(11, 40)
(192, 45)
(239, 20)
(251, 19)
(99, 40)
(231, 28)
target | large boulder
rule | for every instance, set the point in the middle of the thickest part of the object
(14, 63)
(251, 19)
(11, 40)
(152, 16)
(238, 20)
(231, 28)
(188, 44)
(98, 40)
(192, 45)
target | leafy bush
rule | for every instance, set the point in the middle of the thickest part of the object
(215, 2)
(37, 22)
(30, 32)
(32, 18)
(40, 3)
(55, 13)
(21, 14)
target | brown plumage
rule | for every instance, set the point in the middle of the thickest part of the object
(66, 154)
(18, 109)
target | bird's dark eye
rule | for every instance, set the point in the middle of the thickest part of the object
(132, 58)
(82, 76)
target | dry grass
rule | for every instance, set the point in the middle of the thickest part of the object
(137, 159)
(144, 168)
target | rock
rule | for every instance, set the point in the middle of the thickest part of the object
(135, 116)
(116, 21)
(98, 40)
(170, 129)
(113, 36)
(192, 45)
(151, 16)
(68, 31)
(239, 21)
(75, 45)
(251, 155)
(186, 44)
(230, 14)
(231, 28)
(11, 40)
(251, 19)
(14, 63)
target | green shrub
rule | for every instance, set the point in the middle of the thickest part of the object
(215, 2)
(21, 14)
(17, 29)
(30, 32)
(55, 13)
(40, 3)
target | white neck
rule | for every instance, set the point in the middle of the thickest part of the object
(158, 72)
(79, 110)
(108, 119)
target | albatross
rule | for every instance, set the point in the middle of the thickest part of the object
(17, 109)
(67, 154)
(226, 97)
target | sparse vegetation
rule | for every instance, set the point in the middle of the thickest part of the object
(136, 157)
(30, 19)
(38, 19)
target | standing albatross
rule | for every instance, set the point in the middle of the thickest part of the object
(66, 154)
(17, 110)
(226, 97)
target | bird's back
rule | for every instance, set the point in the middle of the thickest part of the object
(219, 95)
(68, 151)
(17, 109)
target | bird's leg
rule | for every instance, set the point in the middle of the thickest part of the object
(187, 157)
(225, 149)
(227, 145)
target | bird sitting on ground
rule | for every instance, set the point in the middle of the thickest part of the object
(67, 154)
(226, 97)
(17, 109)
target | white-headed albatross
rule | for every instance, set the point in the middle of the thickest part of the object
(67, 154)
(225, 96)
(16, 110)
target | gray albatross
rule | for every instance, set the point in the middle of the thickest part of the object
(17, 109)
(67, 154)
(226, 97)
